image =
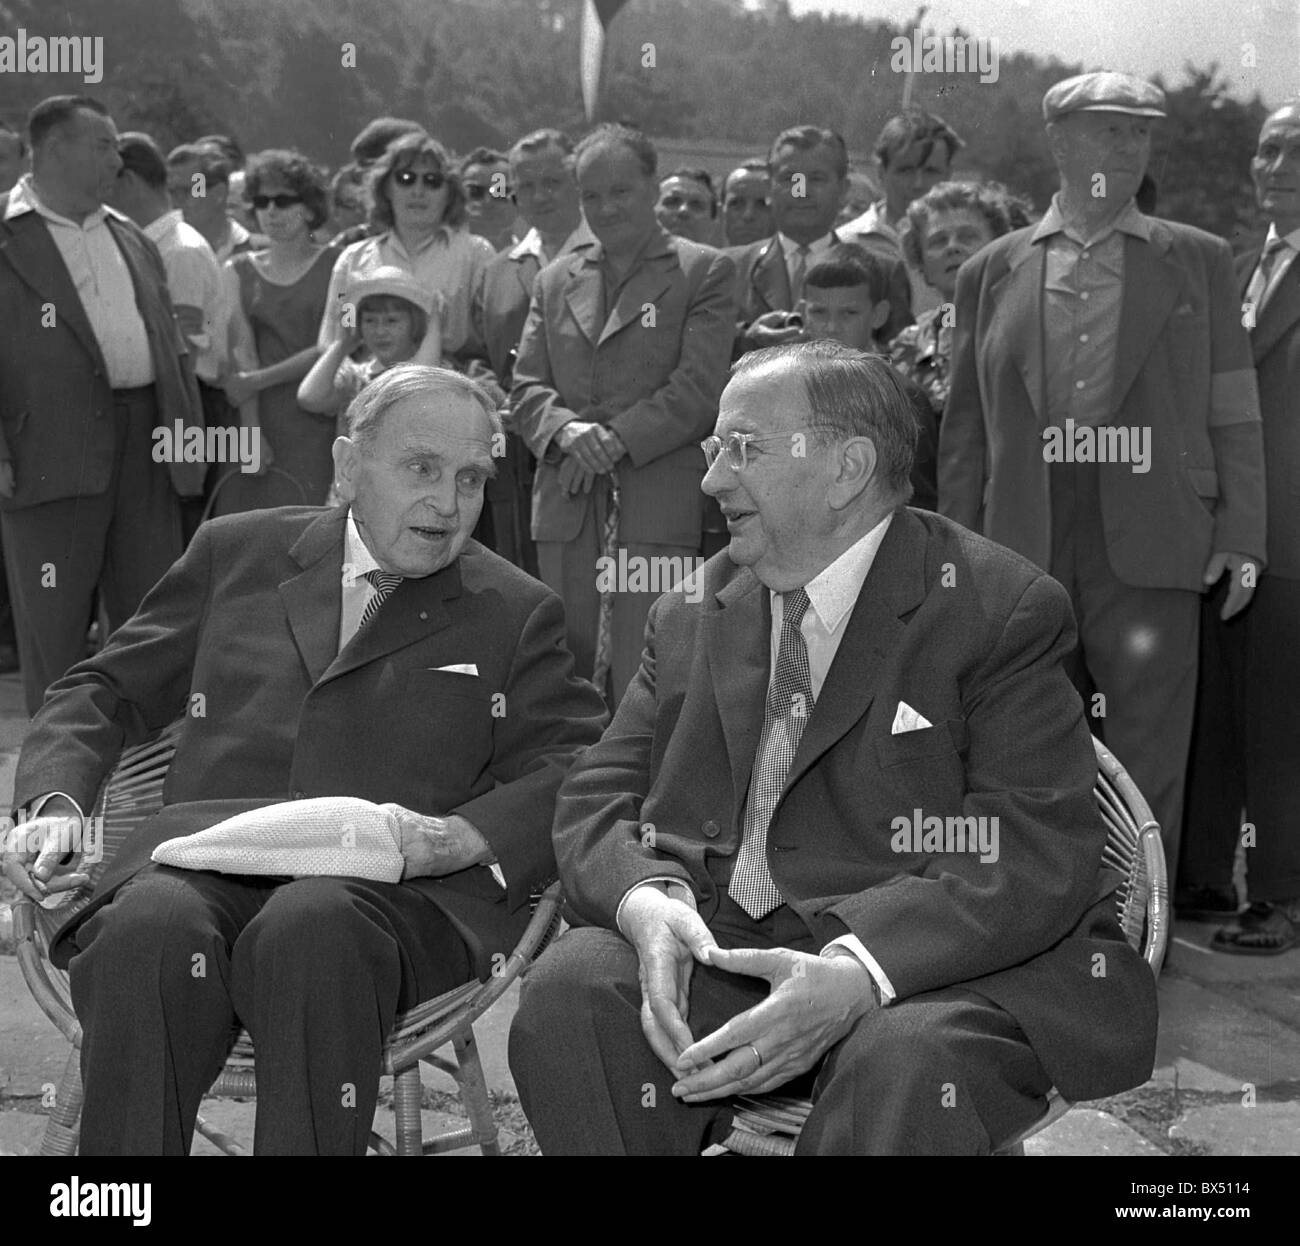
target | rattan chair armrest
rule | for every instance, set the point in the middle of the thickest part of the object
(37, 972)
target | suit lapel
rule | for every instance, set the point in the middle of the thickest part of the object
(894, 587)
(526, 269)
(36, 259)
(1279, 315)
(319, 552)
(648, 282)
(1017, 299)
(737, 646)
(582, 292)
(1152, 284)
(771, 278)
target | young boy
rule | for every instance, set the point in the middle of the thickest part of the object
(846, 299)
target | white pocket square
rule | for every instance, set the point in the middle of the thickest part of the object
(457, 668)
(907, 719)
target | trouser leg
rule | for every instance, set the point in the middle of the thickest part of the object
(318, 978)
(150, 984)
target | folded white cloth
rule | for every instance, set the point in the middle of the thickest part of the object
(337, 835)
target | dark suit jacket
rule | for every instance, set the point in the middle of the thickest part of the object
(656, 383)
(1275, 346)
(243, 633)
(763, 285)
(1182, 370)
(972, 637)
(56, 407)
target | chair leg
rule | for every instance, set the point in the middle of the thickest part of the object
(407, 1093)
(474, 1095)
(63, 1128)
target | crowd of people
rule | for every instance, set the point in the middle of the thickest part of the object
(1077, 382)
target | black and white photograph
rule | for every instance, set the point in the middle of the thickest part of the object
(711, 578)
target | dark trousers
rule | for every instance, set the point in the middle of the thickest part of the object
(217, 413)
(120, 542)
(316, 969)
(1137, 649)
(1246, 745)
(942, 1073)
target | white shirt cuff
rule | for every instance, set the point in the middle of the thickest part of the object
(851, 943)
(41, 801)
(674, 887)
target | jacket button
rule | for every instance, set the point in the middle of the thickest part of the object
(711, 829)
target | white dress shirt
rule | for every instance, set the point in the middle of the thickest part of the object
(1285, 258)
(357, 590)
(194, 279)
(531, 244)
(103, 282)
(832, 594)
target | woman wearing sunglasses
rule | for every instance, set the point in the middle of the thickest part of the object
(418, 210)
(276, 298)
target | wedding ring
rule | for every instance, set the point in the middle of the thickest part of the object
(759, 1054)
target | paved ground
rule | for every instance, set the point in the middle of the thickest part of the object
(1227, 1078)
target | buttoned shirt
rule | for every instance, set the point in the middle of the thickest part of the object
(194, 279)
(817, 251)
(445, 264)
(103, 281)
(1083, 291)
(832, 594)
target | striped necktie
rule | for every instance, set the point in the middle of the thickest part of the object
(789, 702)
(1257, 293)
(383, 584)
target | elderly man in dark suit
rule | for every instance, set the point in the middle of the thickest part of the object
(622, 360)
(809, 169)
(370, 650)
(92, 361)
(761, 814)
(1247, 733)
(1103, 421)
(546, 193)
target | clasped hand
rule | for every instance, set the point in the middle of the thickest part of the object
(42, 857)
(814, 1002)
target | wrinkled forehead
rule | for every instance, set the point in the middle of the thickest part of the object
(445, 425)
(769, 399)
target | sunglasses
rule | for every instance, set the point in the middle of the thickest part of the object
(408, 177)
(262, 202)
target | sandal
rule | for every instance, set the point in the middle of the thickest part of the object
(1262, 930)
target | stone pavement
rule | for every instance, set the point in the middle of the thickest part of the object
(1227, 1078)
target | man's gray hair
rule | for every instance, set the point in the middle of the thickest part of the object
(851, 394)
(407, 380)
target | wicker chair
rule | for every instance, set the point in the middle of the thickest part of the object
(771, 1124)
(134, 791)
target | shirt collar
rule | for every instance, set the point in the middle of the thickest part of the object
(356, 557)
(23, 198)
(658, 244)
(531, 244)
(159, 229)
(816, 249)
(1292, 239)
(1129, 221)
(833, 591)
(440, 236)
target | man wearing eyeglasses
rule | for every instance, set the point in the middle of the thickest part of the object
(91, 362)
(753, 841)
(622, 359)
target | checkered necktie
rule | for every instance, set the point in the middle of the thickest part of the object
(383, 584)
(605, 624)
(789, 702)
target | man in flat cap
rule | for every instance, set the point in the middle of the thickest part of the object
(1104, 422)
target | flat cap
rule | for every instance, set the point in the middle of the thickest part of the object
(1104, 92)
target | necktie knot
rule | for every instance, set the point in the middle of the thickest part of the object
(383, 582)
(794, 605)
